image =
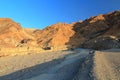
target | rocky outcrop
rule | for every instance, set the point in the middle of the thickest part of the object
(55, 36)
(102, 43)
(99, 32)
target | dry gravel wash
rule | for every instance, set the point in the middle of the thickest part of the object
(67, 69)
(107, 65)
(60, 65)
(25, 66)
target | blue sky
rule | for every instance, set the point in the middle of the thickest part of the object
(42, 13)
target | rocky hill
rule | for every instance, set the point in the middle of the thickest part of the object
(56, 35)
(98, 32)
(12, 34)
(102, 31)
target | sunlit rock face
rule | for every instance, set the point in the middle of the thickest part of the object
(11, 33)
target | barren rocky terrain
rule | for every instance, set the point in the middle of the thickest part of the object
(97, 32)
(62, 65)
(24, 66)
(62, 51)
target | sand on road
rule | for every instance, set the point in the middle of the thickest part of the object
(107, 65)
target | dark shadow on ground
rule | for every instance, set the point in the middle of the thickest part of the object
(86, 68)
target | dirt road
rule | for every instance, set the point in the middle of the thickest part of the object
(107, 66)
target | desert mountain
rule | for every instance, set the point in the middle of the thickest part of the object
(12, 34)
(102, 31)
(56, 35)
(97, 32)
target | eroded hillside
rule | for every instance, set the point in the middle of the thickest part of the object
(98, 32)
